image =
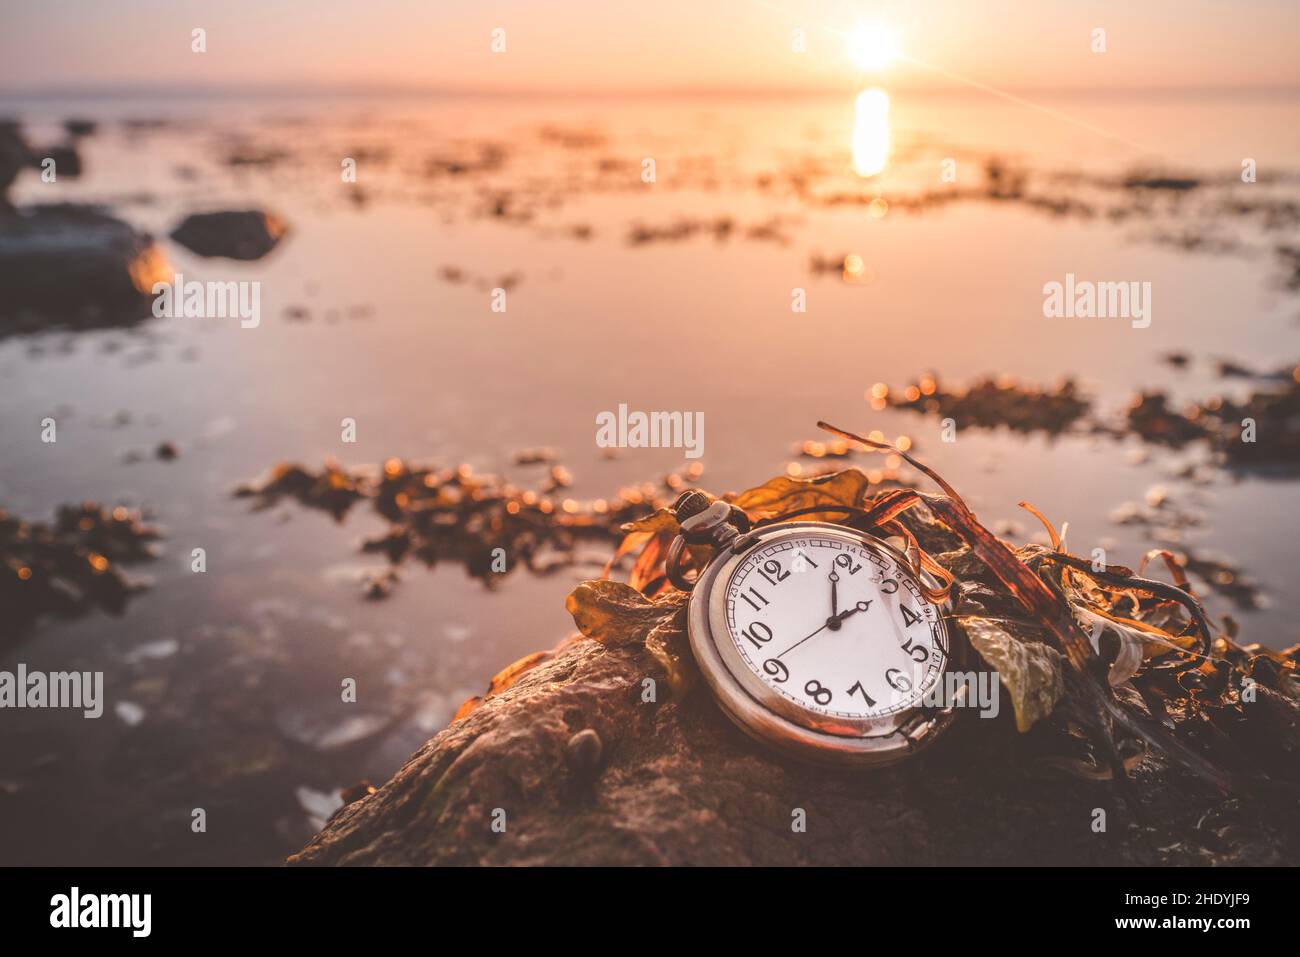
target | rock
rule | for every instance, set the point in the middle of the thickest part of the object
(586, 773)
(67, 161)
(15, 155)
(236, 234)
(75, 266)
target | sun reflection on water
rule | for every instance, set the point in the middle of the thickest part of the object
(871, 132)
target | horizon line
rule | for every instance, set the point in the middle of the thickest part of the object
(137, 90)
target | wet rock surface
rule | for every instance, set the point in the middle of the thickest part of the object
(235, 234)
(676, 783)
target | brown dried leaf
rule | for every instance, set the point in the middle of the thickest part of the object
(1030, 671)
(652, 535)
(467, 708)
(659, 523)
(504, 678)
(649, 567)
(614, 613)
(782, 495)
(660, 520)
(668, 643)
(507, 676)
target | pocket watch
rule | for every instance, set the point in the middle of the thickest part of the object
(816, 639)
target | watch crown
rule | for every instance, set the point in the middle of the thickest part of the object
(691, 503)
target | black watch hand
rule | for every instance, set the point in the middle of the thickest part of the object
(802, 640)
(860, 606)
(832, 623)
(835, 577)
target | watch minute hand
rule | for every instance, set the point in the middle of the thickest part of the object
(802, 640)
(832, 622)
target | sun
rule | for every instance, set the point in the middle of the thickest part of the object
(872, 47)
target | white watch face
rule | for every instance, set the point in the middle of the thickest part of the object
(835, 626)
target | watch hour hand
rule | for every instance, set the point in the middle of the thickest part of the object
(834, 621)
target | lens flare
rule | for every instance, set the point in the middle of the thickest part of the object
(873, 47)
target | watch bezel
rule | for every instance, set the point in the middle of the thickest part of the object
(768, 716)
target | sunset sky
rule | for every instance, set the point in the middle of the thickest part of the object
(655, 45)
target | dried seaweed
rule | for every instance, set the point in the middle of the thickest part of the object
(70, 567)
(1031, 671)
(1261, 430)
(989, 403)
(455, 514)
(1149, 417)
(1021, 607)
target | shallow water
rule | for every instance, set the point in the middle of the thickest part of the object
(222, 688)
